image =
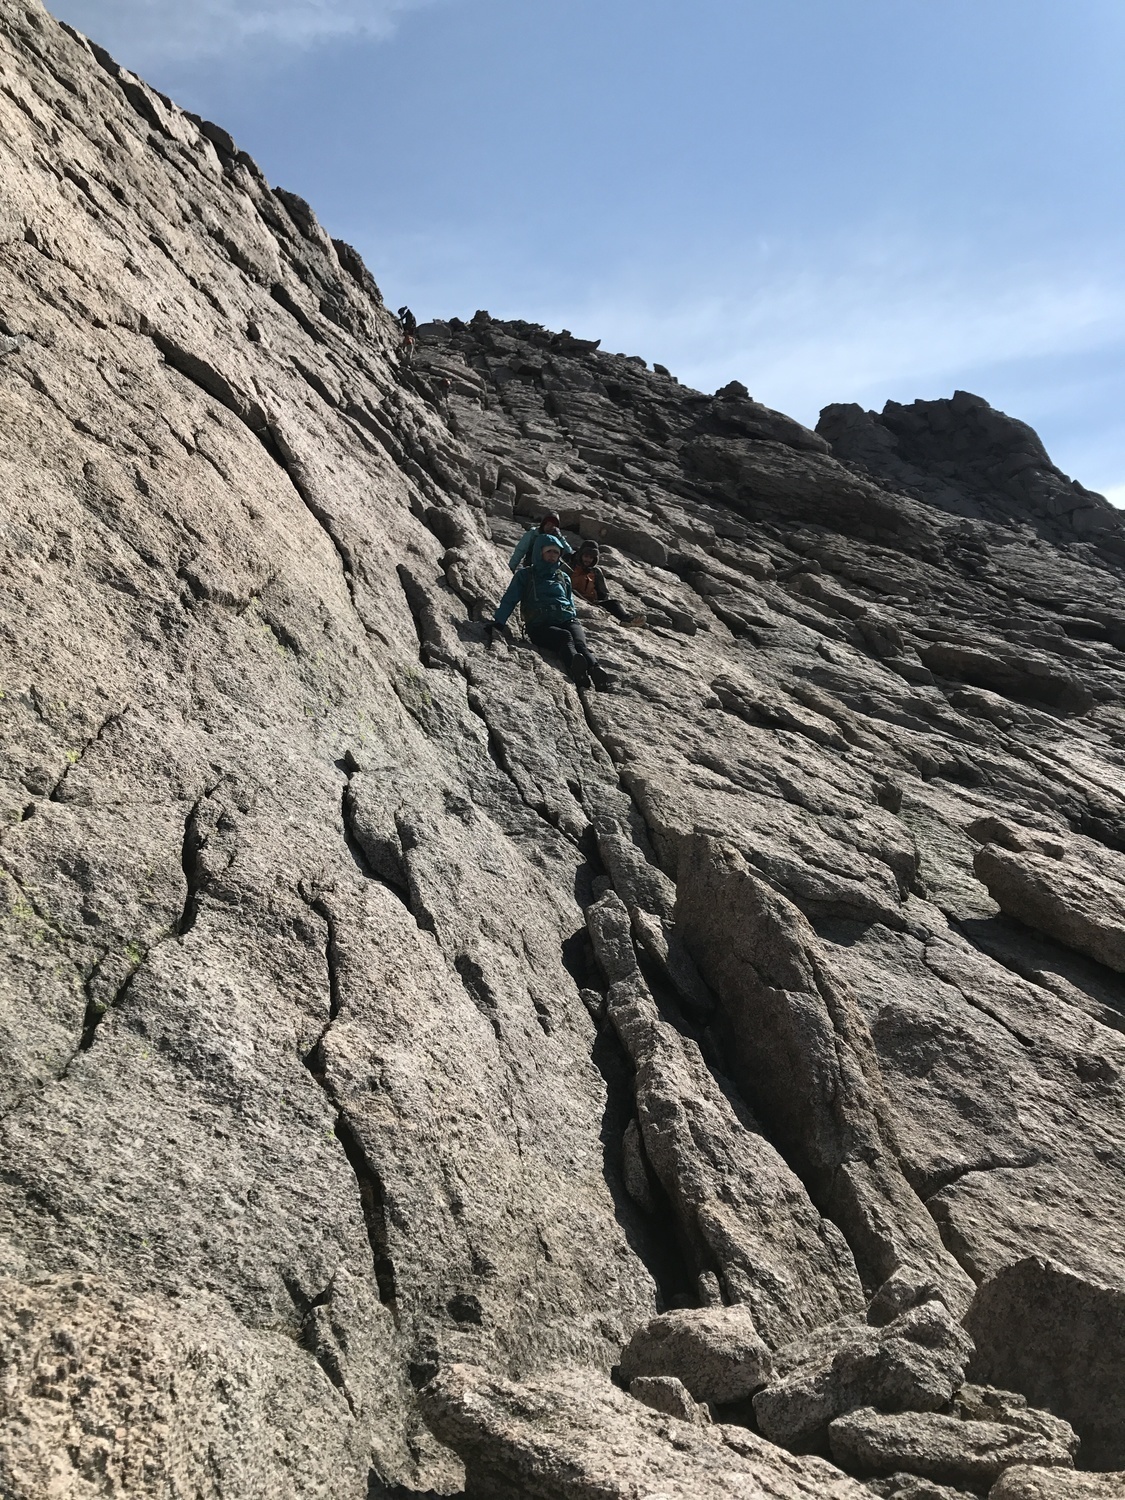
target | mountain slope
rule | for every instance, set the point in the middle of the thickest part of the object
(373, 1003)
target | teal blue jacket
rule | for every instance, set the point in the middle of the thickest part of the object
(542, 591)
(527, 541)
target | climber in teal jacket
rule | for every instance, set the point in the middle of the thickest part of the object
(521, 553)
(547, 607)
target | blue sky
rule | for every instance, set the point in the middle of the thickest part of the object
(830, 200)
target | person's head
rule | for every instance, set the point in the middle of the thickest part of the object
(551, 523)
(588, 554)
(547, 551)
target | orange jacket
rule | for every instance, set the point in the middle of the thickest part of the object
(588, 583)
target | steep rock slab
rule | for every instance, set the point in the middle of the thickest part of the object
(576, 1436)
(1006, 1096)
(745, 1217)
(1071, 889)
(255, 748)
(1060, 1339)
(228, 1019)
(803, 1056)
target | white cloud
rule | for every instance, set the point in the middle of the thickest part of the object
(144, 32)
(859, 327)
(1115, 494)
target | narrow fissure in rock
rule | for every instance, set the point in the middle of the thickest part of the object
(373, 1203)
(653, 1234)
(477, 988)
(195, 874)
(368, 1181)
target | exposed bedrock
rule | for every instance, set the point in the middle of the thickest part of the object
(1070, 888)
(375, 1006)
(801, 1052)
(975, 461)
(1059, 1337)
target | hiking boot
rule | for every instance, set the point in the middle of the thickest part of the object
(602, 680)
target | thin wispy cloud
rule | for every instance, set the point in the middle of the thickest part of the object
(855, 330)
(147, 32)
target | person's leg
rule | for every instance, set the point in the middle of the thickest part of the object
(592, 665)
(557, 638)
(617, 610)
(574, 658)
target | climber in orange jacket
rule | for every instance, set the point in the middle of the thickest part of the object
(588, 583)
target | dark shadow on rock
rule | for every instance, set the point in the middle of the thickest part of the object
(1081, 981)
(655, 1237)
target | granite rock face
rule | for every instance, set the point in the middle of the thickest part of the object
(576, 1435)
(1071, 889)
(1060, 1338)
(373, 1004)
(968, 458)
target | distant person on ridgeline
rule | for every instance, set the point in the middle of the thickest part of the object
(543, 592)
(521, 556)
(409, 324)
(588, 583)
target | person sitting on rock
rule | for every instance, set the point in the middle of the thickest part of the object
(588, 583)
(521, 556)
(546, 602)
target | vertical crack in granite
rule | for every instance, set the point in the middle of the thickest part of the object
(372, 1197)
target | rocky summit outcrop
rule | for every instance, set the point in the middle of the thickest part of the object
(403, 1052)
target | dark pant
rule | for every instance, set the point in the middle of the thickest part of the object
(569, 642)
(617, 609)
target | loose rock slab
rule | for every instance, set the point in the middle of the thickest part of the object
(1028, 1482)
(969, 1453)
(1059, 1337)
(716, 1351)
(915, 1363)
(574, 1436)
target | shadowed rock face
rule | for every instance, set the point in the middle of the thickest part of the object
(973, 461)
(371, 1003)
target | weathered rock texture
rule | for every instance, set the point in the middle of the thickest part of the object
(1031, 1482)
(955, 1450)
(577, 1436)
(371, 1003)
(915, 1363)
(1059, 1338)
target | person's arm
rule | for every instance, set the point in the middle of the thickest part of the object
(512, 595)
(600, 586)
(520, 550)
